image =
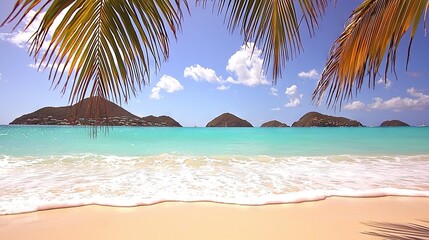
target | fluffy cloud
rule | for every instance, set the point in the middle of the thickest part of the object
(355, 105)
(247, 65)
(294, 100)
(199, 73)
(274, 91)
(312, 74)
(417, 101)
(290, 91)
(21, 37)
(166, 83)
(387, 84)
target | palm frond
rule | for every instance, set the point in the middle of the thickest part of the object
(110, 46)
(374, 29)
(272, 24)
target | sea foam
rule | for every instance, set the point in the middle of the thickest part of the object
(31, 183)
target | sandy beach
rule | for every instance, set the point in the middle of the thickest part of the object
(333, 218)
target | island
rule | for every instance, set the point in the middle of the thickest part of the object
(394, 123)
(228, 120)
(315, 119)
(85, 113)
(274, 123)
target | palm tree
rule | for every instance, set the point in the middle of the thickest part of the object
(111, 46)
(374, 28)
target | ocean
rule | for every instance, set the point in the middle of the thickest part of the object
(45, 167)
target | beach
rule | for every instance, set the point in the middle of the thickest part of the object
(199, 183)
(332, 218)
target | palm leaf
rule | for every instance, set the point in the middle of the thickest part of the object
(373, 34)
(272, 24)
(110, 47)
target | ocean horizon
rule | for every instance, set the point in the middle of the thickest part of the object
(45, 167)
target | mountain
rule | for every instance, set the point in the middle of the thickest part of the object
(228, 120)
(87, 112)
(394, 123)
(274, 123)
(315, 119)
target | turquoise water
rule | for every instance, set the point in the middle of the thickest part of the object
(135, 141)
(44, 167)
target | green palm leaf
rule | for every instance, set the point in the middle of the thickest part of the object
(361, 48)
(110, 46)
(272, 24)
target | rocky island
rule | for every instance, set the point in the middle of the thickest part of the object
(394, 123)
(315, 119)
(274, 123)
(83, 113)
(228, 120)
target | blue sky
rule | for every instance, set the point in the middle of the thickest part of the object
(209, 72)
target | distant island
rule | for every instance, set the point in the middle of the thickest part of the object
(110, 114)
(315, 119)
(394, 123)
(274, 123)
(228, 120)
(82, 113)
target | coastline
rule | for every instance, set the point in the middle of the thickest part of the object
(332, 218)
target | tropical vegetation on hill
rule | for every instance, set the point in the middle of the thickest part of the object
(111, 47)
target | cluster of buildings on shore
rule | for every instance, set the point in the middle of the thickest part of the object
(112, 121)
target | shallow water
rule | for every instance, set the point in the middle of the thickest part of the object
(49, 167)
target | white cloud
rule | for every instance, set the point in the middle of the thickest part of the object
(199, 73)
(294, 100)
(417, 101)
(274, 91)
(155, 93)
(290, 91)
(247, 66)
(222, 87)
(387, 84)
(22, 36)
(355, 105)
(312, 74)
(414, 93)
(166, 83)
(275, 109)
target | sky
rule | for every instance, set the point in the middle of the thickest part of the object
(210, 71)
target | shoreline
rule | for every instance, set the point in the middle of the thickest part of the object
(331, 218)
(298, 200)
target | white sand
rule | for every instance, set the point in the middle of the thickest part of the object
(334, 218)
